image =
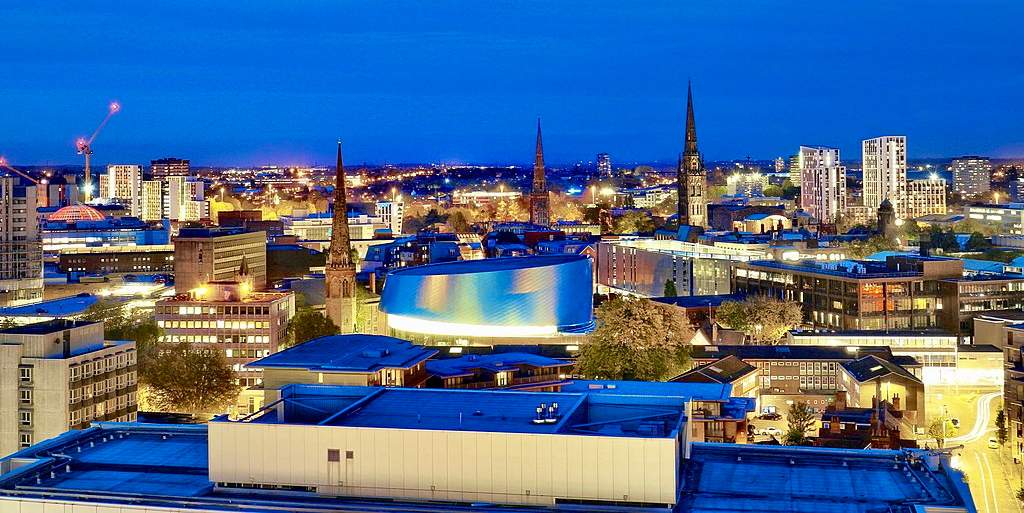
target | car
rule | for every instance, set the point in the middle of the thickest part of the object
(770, 416)
(993, 443)
(955, 423)
(772, 431)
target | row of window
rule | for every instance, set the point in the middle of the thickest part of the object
(218, 324)
(103, 386)
(214, 339)
(100, 410)
(109, 363)
(213, 310)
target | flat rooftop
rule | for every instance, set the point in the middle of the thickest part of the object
(59, 307)
(497, 411)
(348, 353)
(494, 362)
(45, 327)
(165, 466)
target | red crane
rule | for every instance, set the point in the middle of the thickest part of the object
(41, 192)
(84, 147)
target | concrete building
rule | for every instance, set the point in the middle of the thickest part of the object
(152, 258)
(161, 169)
(391, 214)
(965, 298)
(59, 375)
(21, 258)
(898, 294)
(1007, 218)
(122, 184)
(152, 200)
(746, 184)
(202, 255)
(972, 176)
(185, 199)
(884, 164)
(483, 198)
(822, 183)
(642, 266)
(228, 317)
(926, 197)
(327, 449)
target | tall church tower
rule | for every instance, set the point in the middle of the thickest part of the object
(691, 179)
(340, 283)
(539, 213)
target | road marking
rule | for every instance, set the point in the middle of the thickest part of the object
(984, 489)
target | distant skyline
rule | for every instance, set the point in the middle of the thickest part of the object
(223, 83)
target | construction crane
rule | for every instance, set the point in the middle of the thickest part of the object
(84, 147)
(41, 192)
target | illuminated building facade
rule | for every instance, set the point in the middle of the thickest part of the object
(604, 165)
(884, 163)
(59, 375)
(900, 293)
(161, 169)
(822, 183)
(122, 184)
(972, 176)
(21, 258)
(1008, 218)
(746, 184)
(534, 297)
(926, 197)
(117, 259)
(540, 213)
(202, 255)
(152, 201)
(228, 317)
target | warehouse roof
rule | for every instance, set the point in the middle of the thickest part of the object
(348, 353)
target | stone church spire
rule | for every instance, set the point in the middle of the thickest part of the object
(539, 213)
(340, 275)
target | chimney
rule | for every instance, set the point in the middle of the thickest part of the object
(874, 423)
(874, 402)
(896, 402)
(834, 426)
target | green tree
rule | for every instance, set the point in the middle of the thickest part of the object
(764, 319)
(636, 339)
(670, 289)
(308, 324)
(189, 379)
(773, 191)
(865, 248)
(458, 222)
(634, 221)
(977, 242)
(938, 430)
(1001, 432)
(799, 420)
(944, 240)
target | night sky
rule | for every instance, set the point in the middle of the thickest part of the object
(254, 82)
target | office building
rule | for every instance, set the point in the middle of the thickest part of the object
(59, 375)
(972, 176)
(604, 165)
(153, 258)
(123, 185)
(746, 184)
(161, 169)
(898, 294)
(185, 199)
(151, 202)
(21, 258)
(884, 164)
(391, 214)
(483, 198)
(1006, 218)
(642, 266)
(368, 449)
(202, 255)
(793, 168)
(822, 183)
(539, 212)
(228, 317)
(691, 177)
(340, 274)
(965, 298)
(926, 197)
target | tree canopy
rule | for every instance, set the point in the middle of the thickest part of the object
(865, 248)
(634, 221)
(765, 320)
(670, 289)
(308, 324)
(799, 420)
(636, 339)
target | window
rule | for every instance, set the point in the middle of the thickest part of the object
(25, 418)
(25, 374)
(25, 396)
(25, 440)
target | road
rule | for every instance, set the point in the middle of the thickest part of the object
(992, 477)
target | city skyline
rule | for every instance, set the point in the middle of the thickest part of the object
(464, 84)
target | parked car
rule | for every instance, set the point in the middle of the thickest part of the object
(993, 443)
(955, 423)
(770, 416)
(772, 431)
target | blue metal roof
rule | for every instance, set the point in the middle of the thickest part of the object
(704, 391)
(494, 362)
(348, 353)
(699, 301)
(60, 307)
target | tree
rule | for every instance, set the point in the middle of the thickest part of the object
(458, 221)
(308, 324)
(944, 240)
(189, 379)
(773, 191)
(636, 339)
(634, 221)
(865, 248)
(564, 208)
(1020, 494)
(765, 320)
(938, 430)
(799, 419)
(1001, 432)
(670, 289)
(977, 242)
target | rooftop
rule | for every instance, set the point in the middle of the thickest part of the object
(205, 233)
(498, 411)
(348, 353)
(726, 370)
(788, 352)
(45, 327)
(488, 265)
(60, 307)
(699, 301)
(871, 367)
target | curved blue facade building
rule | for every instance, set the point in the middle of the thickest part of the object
(533, 296)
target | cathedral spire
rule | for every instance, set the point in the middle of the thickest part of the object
(341, 247)
(539, 213)
(690, 176)
(691, 126)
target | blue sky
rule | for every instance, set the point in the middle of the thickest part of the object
(463, 81)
